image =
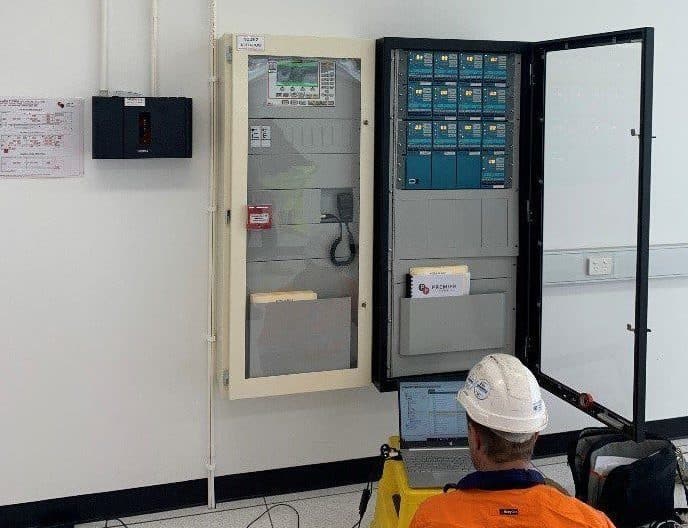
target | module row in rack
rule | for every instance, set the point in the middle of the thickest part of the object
(452, 134)
(474, 169)
(458, 66)
(450, 98)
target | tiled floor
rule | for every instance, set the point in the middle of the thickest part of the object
(331, 508)
(328, 508)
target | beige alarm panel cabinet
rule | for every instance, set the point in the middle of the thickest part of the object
(295, 214)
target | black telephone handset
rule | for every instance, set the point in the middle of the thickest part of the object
(345, 206)
(345, 210)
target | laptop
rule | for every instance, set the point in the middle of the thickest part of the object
(433, 433)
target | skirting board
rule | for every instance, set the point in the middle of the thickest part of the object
(137, 501)
(570, 266)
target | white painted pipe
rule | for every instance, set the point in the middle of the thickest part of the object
(154, 49)
(212, 218)
(103, 85)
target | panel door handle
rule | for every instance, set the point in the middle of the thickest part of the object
(630, 328)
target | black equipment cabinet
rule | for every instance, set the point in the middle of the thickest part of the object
(142, 127)
(447, 194)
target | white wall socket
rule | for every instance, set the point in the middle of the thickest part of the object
(600, 265)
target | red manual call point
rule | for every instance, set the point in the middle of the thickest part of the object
(259, 217)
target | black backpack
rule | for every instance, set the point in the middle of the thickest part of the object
(631, 494)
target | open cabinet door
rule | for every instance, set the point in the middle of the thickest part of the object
(588, 223)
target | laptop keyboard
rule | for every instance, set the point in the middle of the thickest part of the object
(436, 461)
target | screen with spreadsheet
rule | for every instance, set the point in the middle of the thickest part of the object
(430, 412)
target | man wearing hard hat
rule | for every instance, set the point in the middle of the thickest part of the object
(505, 415)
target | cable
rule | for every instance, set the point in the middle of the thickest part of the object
(363, 504)
(665, 524)
(115, 519)
(386, 453)
(298, 518)
(272, 525)
(335, 245)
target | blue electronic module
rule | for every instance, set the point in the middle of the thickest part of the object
(444, 169)
(418, 170)
(469, 134)
(419, 135)
(470, 100)
(493, 170)
(444, 96)
(444, 134)
(495, 67)
(420, 97)
(446, 65)
(494, 100)
(420, 64)
(471, 67)
(468, 169)
(494, 134)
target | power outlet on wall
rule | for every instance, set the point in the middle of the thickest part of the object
(600, 265)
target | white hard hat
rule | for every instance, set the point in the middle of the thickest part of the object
(502, 394)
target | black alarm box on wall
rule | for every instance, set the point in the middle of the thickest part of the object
(141, 127)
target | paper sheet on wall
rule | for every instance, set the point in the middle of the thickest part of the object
(41, 138)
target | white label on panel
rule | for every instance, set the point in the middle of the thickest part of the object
(260, 218)
(250, 42)
(255, 136)
(265, 136)
(134, 101)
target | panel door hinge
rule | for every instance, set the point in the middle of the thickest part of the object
(529, 213)
(635, 133)
(228, 217)
(225, 378)
(228, 54)
(531, 75)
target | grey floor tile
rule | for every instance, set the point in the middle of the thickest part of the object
(561, 474)
(170, 514)
(334, 511)
(218, 519)
(287, 497)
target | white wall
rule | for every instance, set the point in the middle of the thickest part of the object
(103, 305)
(102, 324)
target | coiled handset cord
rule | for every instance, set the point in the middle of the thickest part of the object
(337, 241)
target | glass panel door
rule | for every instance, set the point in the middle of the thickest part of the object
(593, 215)
(304, 117)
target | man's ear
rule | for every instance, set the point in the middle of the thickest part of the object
(475, 437)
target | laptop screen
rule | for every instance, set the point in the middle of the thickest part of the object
(430, 415)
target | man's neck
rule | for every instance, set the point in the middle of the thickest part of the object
(505, 466)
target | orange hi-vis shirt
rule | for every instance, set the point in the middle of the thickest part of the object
(523, 505)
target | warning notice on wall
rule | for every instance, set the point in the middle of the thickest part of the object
(41, 138)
